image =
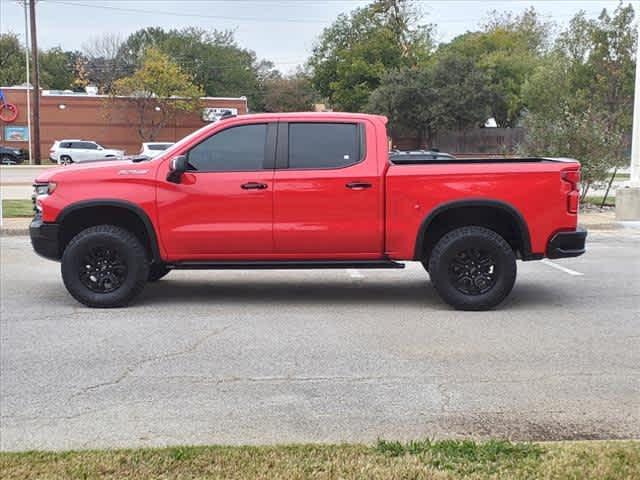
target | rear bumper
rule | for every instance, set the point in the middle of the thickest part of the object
(44, 238)
(567, 244)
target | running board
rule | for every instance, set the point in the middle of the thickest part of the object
(284, 264)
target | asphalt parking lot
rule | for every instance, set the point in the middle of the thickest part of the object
(327, 356)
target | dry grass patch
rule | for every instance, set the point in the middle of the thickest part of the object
(441, 460)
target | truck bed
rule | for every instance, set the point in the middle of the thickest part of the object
(531, 187)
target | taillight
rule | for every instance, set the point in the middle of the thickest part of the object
(572, 177)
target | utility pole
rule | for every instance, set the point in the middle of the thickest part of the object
(635, 136)
(28, 91)
(35, 99)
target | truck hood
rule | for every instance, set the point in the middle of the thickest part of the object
(97, 170)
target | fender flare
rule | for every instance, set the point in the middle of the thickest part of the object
(132, 207)
(480, 202)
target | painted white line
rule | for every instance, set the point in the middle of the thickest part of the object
(354, 273)
(561, 268)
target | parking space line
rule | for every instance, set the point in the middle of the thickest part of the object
(354, 273)
(561, 268)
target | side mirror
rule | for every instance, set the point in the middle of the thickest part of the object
(177, 167)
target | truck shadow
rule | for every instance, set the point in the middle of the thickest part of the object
(407, 293)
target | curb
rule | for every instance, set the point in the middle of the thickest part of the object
(14, 232)
(603, 226)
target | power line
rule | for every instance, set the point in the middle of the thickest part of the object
(193, 15)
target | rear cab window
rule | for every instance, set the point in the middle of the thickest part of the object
(315, 145)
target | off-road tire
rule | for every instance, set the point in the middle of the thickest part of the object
(117, 239)
(157, 271)
(456, 241)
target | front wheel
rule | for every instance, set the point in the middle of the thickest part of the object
(105, 266)
(473, 268)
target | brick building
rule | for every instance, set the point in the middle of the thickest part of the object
(110, 122)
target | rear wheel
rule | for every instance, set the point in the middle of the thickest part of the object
(472, 268)
(104, 266)
(65, 160)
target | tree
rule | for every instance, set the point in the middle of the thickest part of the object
(449, 92)
(289, 94)
(212, 58)
(103, 63)
(56, 68)
(580, 99)
(159, 89)
(508, 49)
(56, 65)
(359, 49)
(12, 61)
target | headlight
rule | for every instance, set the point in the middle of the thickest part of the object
(44, 188)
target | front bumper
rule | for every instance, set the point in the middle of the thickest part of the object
(567, 244)
(44, 238)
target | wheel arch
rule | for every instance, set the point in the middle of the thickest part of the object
(480, 212)
(78, 216)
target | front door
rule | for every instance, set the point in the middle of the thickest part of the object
(223, 207)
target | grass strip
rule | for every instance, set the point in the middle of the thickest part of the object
(17, 208)
(441, 460)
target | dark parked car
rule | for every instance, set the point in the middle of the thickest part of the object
(12, 155)
(418, 156)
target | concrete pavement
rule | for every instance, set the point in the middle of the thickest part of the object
(328, 356)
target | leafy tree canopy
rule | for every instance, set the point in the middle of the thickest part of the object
(358, 50)
(580, 99)
(12, 61)
(159, 88)
(507, 50)
(213, 58)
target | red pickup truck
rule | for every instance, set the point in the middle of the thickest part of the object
(303, 190)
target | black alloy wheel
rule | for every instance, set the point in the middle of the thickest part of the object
(473, 271)
(103, 269)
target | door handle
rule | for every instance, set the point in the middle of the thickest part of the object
(253, 186)
(358, 185)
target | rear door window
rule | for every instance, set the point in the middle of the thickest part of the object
(324, 145)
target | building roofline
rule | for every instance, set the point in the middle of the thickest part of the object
(57, 93)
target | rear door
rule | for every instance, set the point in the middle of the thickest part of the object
(328, 195)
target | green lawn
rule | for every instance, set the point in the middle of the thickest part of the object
(597, 200)
(442, 460)
(17, 208)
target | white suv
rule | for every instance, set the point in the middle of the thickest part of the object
(76, 151)
(153, 149)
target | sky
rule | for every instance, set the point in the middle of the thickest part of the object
(283, 31)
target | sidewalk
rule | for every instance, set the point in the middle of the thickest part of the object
(592, 220)
(15, 226)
